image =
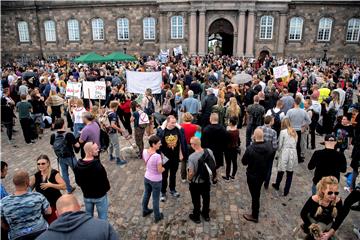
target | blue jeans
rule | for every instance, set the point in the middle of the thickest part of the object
(65, 163)
(102, 205)
(313, 189)
(77, 128)
(154, 188)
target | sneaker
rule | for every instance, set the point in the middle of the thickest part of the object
(226, 178)
(33, 141)
(175, 193)
(148, 212)
(163, 197)
(160, 218)
(111, 158)
(357, 232)
(30, 143)
(194, 219)
(120, 162)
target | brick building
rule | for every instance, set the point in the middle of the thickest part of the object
(299, 28)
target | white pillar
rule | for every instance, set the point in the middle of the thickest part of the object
(202, 32)
(282, 34)
(192, 33)
(250, 35)
(241, 34)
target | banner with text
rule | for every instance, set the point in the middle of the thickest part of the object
(281, 71)
(94, 90)
(73, 89)
(178, 50)
(138, 82)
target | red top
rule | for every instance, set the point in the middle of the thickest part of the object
(125, 106)
(189, 130)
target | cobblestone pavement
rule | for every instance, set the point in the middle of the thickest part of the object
(279, 216)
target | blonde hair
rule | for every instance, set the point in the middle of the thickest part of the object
(321, 187)
(285, 124)
(187, 117)
(221, 102)
(234, 109)
(79, 103)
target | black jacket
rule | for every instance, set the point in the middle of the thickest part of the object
(79, 225)
(257, 157)
(92, 178)
(209, 102)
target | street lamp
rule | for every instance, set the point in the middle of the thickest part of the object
(325, 59)
(125, 50)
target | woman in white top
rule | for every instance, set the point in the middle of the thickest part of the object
(77, 117)
(286, 155)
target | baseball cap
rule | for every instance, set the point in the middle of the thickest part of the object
(330, 137)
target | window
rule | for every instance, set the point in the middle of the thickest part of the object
(50, 32)
(149, 28)
(324, 32)
(266, 27)
(73, 30)
(177, 27)
(353, 30)
(123, 28)
(295, 29)
(97, 29)
(23, 31)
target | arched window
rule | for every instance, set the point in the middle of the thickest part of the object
(177, 27)
(149, 28)
(73, 30)
(295, 29)
(50, 31)
(97, 25)
(123, 28)
(266, 27)
(353, 30)
(324, 32)
(23, 30)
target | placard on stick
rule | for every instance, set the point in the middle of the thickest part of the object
(281, 71)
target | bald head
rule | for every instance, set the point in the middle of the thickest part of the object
(67, 203)
(258, 135)
(91, 149)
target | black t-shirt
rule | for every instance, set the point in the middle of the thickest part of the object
(51, 194)
(170, 143)
(113, 118)
(69, 139)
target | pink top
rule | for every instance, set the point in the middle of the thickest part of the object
(152, 161)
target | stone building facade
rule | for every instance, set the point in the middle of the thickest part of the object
(250, 27)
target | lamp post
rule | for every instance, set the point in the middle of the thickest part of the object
(325, 59)
(125, 50)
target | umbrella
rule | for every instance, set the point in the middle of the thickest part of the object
(151, 63)
(90, 57)
(297, 71)
(241, 78)
(119, 56)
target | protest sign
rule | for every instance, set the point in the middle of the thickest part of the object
(281, 71)
(178, 50)
(100, 90)
(94, 90)
(89, 90)
(73, 89)
(138, 82)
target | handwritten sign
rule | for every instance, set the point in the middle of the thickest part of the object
(94, 90)
(281, 71)
(73, 89)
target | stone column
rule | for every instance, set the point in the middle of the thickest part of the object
(202, 26)
(241, 34)
(192, 33)
(162, 37)
(250, 35)
(282, 34)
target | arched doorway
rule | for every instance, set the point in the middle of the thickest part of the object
(221, 37)
(263, 54)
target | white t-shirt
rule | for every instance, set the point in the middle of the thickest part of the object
(276, 110)
(78, 114)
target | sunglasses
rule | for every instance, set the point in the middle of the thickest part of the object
(41, 164)
(331, 193)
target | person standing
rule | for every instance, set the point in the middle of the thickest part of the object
(91, 131)
(92, 178)
(48, 182)
(141, 121)
(199, 184)
(152, 178)
(207, 106)
(191, 105)
(256, 158)
(327, 162)
(54, 101)
(7, 113)
(24, 108)
(77, 117)
(174, 149)
(299, 120)
(24, 224)
(148, 104)
(72, 223)
(232, 148)
(4, 171)
(125, 113)
(255, 118)
(278, 116)
(63, 144)
(113, 134)
(287, 99)
(270, 136)
(287, 157)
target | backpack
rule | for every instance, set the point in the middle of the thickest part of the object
(206, 167)
(150, 108)
(104, 122)
(143, 119)
(166, 108)
(277, 122)
(59, 145)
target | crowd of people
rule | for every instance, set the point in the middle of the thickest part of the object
(193, 123)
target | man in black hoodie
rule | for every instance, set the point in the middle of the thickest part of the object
(257, 158)
(75, 224)
(91, 176)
